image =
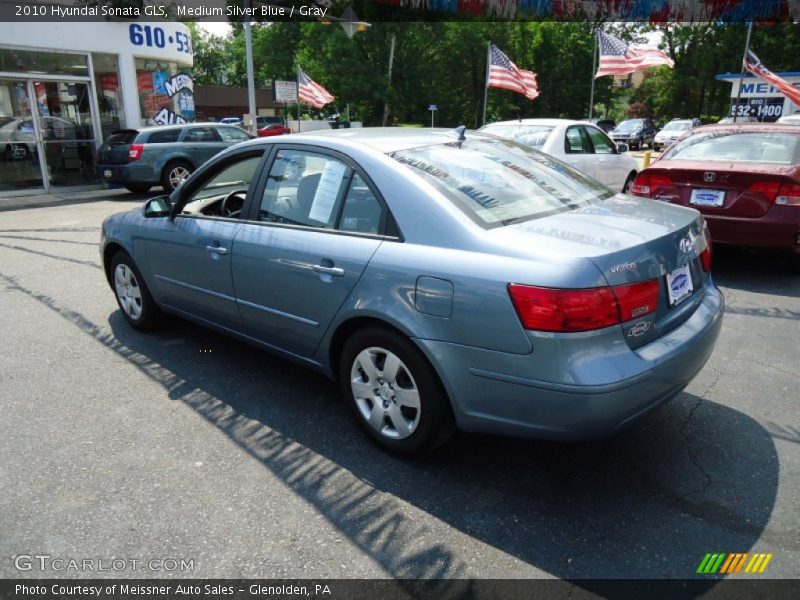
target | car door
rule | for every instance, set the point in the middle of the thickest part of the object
(608, 165)
(310, 236)
(190, 255)
(578, 150)
(201, 143)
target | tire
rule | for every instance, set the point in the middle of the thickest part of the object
(628, 183)
(133, 297)
(406, 413)
(174, 171)
(138, 188)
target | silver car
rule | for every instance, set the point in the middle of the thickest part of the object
(445, 279)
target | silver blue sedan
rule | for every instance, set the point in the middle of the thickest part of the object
(445, 279)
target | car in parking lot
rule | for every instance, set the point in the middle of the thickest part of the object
(273, 129)
(579, 144)
(673, 131)
(606, 125)
(444, 278)
(162, 155)
(637, 133)
(793, 119)
(745, 179)
(232, 121)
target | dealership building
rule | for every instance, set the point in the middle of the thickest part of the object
(759, 99)
(65, 86)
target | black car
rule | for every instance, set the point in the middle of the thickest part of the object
(635, 132)
(606, 125)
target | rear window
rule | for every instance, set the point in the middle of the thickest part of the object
(167, 136)
(121, 137)
(531, 135)
(500, 183)
(751, 146)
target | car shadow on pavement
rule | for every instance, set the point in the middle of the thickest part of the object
(758, 271)
(691, 478)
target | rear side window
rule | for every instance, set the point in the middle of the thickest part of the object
(166, 136)
(748, 146)
(121, 137)
(499, 183)
(232, 134)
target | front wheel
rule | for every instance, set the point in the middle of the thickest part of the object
(394, 392)
(133, 297)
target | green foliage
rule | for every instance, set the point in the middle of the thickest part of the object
(444, 63)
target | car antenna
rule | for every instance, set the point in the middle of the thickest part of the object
(460, 131)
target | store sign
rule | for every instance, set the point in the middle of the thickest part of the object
(285, 91)
(763, 109)
(761, 88)
(179, 82)
(166, 117)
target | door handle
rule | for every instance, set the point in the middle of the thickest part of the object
(217, 249)
(333, 271)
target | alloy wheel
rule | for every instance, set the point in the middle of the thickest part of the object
(176, 175)
(385, 393)
(128, 291)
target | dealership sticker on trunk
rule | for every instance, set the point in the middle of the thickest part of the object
(107, 173)
(679, 285)
(707, 197)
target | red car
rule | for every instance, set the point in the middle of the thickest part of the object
(273, 129)
(745, 179)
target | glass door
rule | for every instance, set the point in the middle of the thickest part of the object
(64, 119)
(19, 158)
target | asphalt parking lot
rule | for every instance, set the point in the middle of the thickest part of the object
(184, 444)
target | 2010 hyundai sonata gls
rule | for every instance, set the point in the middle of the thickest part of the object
(444, 278)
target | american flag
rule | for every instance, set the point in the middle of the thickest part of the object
(616, 58)
(310, 92)
(504, 74)
(757, 68)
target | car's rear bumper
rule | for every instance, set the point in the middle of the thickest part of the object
(487, 399)
(778, 229)
(127, 174)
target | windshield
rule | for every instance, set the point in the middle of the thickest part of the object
(499, 183)
(677, 126)
(751, 146)
(631, 125)
(531, 135)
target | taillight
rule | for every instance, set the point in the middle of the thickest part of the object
(135, 151)
(768, 188)
(646, 184)
(548, 309)
(636, 299)
(705, 258)
(788, 195)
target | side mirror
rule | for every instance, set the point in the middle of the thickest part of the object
(622, 148)
(159, 206)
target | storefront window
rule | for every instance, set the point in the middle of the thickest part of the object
(166, 92)
(52, 63)
(109, 95)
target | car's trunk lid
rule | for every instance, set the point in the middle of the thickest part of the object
(114, 150)
(629, 240)
(741, 189)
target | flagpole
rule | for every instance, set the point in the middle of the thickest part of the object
(741, 74)
(298, 97)
(486, 88)
(594, 70)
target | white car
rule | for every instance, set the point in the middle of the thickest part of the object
(789, 119)
(579, 144)
(673, 131)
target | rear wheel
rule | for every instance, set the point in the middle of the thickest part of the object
(394, 392)
(133, 297)
(138, 188)
(628, 183)
(174, 173)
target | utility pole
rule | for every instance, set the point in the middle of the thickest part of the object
(251, 80)
(741, 74)
(391, 62)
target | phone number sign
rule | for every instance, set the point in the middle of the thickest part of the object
(763, 109)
